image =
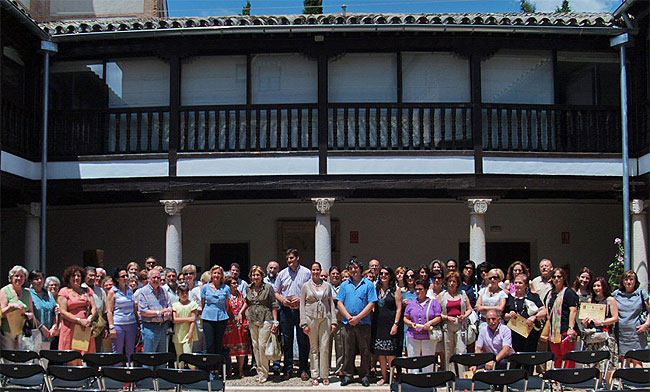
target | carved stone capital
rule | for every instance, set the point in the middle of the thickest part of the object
(173, 207)
(478, 206)
(32, 209)
(637, 206)
(323, 204)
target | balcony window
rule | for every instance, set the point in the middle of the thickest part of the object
(137, 83)
(214, 80)
(435, 77)
(284, 78)
(78, 85)
(588, 78)
(363, 77)
(518, 77)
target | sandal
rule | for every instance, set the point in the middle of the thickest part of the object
(381, 382)
(314, 382)
(326, 382)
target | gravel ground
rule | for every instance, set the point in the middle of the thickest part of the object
(277, 381)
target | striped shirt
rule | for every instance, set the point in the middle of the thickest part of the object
(148, 299)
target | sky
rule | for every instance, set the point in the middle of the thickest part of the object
(275, 7)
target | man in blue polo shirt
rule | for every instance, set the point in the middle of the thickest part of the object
(356, 301)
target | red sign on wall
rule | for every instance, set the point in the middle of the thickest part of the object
(566, 238)
(354, 237)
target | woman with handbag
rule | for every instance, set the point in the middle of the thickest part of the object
(525, 303)
(261, 310)
(77, 309)
(634, 319)
(318, 321)
(456, 309)
(599, 334)
(386, 325)
(423, 318)
(563, 311)
(14, 297)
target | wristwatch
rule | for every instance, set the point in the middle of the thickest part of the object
(111, 326)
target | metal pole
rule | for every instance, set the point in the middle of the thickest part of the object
(626, 165)
(46, 89)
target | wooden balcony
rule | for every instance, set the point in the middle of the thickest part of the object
(381, 128)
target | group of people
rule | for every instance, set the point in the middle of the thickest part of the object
(379, 313)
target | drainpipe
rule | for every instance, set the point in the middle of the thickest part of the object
(48, 49)
(621, 42)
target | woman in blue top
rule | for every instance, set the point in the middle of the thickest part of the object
(214, 300)
(120, 309)
(44, 310)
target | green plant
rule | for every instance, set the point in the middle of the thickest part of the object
(247, 8)
(617, 267)
(528, 6)
(313, 7)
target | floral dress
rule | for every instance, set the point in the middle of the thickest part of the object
(237, 337)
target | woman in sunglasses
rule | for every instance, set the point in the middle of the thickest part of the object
(408, 294)
(492, 297)
(563, 311)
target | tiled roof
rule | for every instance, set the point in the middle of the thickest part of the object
(334, 21)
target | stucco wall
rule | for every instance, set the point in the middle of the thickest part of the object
(395, 232)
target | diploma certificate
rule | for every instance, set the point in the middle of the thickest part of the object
(593, 311)
(518, 324)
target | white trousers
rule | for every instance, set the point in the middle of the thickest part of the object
(418, 348)
(319, 347)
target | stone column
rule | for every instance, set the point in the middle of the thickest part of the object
(639, 241)
(32, 236)
(323, 232)
(478, 208)
(174, 238)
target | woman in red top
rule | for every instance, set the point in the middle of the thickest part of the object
(237, 338)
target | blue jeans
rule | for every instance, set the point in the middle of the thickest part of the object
(154, 338)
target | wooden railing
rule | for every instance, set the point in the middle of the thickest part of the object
(253, 128)
(351, 127)
(400, 127)
(551, 128)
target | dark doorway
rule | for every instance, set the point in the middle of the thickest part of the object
(226, 254)
(501, 254)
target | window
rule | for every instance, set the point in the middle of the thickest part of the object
(363, 77)
(284, 78)
(78, 85)
(435, 77)
(137, 83)
(588, 78)
(215, 80)
(520, 77)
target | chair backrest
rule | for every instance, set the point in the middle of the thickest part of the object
(126, 374)
(183, 376)
(72, 373)
(152, 359)
(20, 370)
(472, 359)
(531, 358)
(426, 380)
(103, 359)
(500, 377)
(60, 357)
(18, 356)
(639, 355)
(634, 375)
(587, 357)
(414, 362)
(203, 361)
(572, 376)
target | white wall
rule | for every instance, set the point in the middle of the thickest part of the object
(95, 7)
(395, 232)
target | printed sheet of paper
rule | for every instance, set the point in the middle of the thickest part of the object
(81, 338)
(16, 321)
(518, 324)
(593, 311)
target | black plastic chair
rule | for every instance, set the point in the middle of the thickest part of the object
(637, 355)
(633, 378)
(591, 358)
(424, 382)
(500, 378)
(118, 377)
(186, 379)
(100, 360)
(22, 376)
(208, 363)
(18, 356)
(59, 357)
(153, 360)
(571, 377)
(529, 360)
(72, 378)
(468, 360)
(410, 363)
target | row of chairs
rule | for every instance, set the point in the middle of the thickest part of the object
(518, 379)
(105, 372)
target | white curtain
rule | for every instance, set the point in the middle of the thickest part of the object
(363, 77)
(284, 78)
(519, 77)
(435, 77)
(214, 80)
(138, 83)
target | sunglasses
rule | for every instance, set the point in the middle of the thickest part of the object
(384, 274)
(558, 277)
(410, 276)
(493, 278)
(124, 276)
